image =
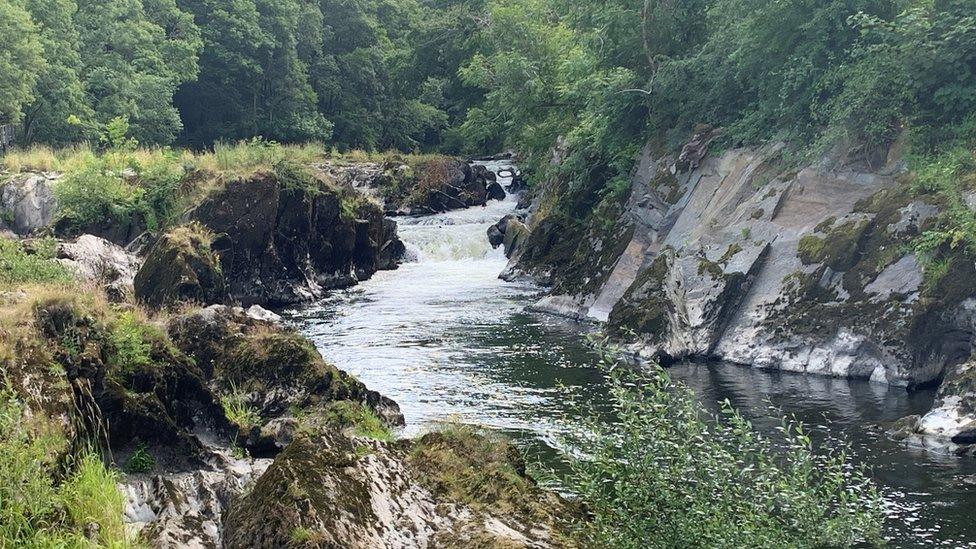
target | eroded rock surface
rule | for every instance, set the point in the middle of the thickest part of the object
(27, 203)
(327, 490)
(737, 257)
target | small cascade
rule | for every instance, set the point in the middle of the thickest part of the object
(461, 234)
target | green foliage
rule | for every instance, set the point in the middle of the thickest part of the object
(21, 60)
(360, 419)
(238, 410)
(18, 266)
(141, 461)
(131, 343)
(664, 472)
(36, 512)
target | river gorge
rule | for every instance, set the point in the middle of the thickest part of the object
(449, 341)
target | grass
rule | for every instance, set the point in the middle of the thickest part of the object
(359, 419)
(238, 411)
(37, 512)
(141, 461)
(20, 266)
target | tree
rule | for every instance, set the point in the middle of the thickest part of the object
(253, 81)
(21, 59)
(59, 92)
(135, 54)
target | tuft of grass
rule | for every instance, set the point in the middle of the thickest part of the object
(141, 461)
(362, 421)
(238, 411)
(37, 512)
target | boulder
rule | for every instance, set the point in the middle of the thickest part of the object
(28, 204)
(181, 267)
(275, 370)
(496, 192)
(97, 260)
(516, 234)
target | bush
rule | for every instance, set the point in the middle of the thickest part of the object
(665, 473)
(18, 267)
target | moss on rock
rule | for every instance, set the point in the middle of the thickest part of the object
(181, 267)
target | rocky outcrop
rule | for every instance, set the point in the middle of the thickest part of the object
(287, 237)
(453, 489)
(435, 184)
(743, 258)
(270, 370)
(27, 203)
(181, 267)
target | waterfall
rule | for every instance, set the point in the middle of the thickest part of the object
(461, 234)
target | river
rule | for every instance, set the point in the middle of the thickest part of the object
(450, 341)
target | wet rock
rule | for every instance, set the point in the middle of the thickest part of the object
(496, 192)
(27, 203)
(495, 236)
(953, 416)
(181, 267)
(97, 260)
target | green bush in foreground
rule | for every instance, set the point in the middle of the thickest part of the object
(666, 474)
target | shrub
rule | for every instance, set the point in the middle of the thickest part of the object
(18, 267)
(141, 461)
(664, 473)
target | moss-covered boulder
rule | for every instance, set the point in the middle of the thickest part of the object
(112, 376)
(181, 267)
(452, 489)
(265, 373)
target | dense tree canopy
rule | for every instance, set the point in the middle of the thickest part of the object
(477, 75)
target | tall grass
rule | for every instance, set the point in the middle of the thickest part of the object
(666, 474)
(37, 512)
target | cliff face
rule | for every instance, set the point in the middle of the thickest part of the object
(737, 257)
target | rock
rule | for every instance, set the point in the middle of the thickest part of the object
(496, 192)
(258, 312)
(695, 150)
(286, 237)
(953, 416)
(97, 260)
(326, 490)
(516, 233)
(186, 509)
(28, 204)
(731, 257)
(181, 267)
(495, 236)
(277, 369)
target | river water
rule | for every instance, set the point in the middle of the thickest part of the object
(450, 341)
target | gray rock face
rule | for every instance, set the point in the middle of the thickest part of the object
(27, 203)
(734, 257)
